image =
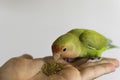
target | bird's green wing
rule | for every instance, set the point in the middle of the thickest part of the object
(93, 39)
(94, 42)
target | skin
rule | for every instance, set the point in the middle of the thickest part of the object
(27, 68)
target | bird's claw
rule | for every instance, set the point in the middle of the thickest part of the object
(95, 59)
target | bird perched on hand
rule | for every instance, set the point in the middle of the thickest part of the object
(80, 43)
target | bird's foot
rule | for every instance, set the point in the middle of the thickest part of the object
(95, 59)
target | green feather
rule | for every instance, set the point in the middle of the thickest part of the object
(86, 42)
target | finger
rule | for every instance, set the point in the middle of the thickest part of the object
(115, 62)
(93, 72)
(27, 56)
(70, 73)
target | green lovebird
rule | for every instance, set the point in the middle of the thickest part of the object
(80, 43)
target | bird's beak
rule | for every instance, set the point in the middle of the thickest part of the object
(56, 56)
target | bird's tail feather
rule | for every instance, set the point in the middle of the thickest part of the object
(113, 46)
(110, 45)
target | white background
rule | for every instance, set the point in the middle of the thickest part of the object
(30, 26)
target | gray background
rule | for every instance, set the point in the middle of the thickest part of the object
(30, 26)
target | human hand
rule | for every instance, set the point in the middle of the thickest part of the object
(27, 68)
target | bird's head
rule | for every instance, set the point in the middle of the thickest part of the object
(64, 48)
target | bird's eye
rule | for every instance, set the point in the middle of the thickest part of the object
(64, 49)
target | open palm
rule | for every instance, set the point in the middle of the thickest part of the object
(27, 68)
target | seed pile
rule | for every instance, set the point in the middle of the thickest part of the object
(52, 68)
